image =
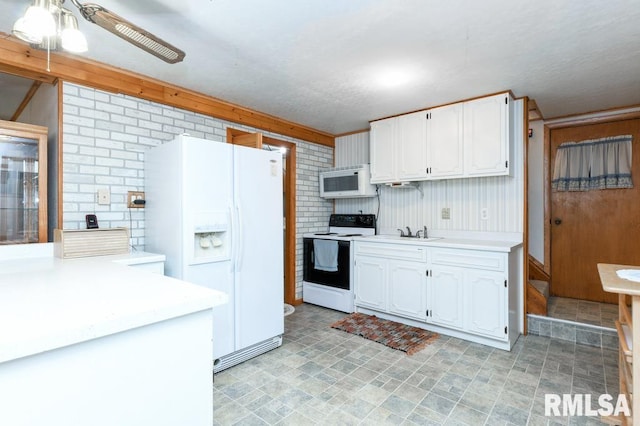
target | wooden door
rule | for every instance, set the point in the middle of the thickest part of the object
(598, 226)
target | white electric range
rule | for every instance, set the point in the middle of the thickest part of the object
(328, 261)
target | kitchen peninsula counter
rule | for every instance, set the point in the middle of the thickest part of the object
(92, 341)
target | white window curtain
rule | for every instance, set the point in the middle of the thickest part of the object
(593, 164)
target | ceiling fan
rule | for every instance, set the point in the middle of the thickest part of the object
(61, 22)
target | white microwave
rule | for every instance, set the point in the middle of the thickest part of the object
(347, 182)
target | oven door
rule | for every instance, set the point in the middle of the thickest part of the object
(337, 279)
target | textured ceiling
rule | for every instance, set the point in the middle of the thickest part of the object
(319, 62)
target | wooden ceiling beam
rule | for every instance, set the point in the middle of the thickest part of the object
(20, 72)
(26, 61)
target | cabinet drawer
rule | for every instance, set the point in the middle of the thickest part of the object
(489, 261)
(392, 251)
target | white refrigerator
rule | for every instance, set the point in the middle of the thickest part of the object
(215, 210)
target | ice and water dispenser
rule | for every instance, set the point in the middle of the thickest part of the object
(211, 237)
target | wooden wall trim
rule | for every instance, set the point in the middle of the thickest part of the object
(27, 98)
(536, 270)
(60, 165)
(18, 56)
(525, 210)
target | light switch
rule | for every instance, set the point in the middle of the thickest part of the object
(104, 197)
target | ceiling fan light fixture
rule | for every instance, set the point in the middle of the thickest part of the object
(26, 32)
(39, 18)
(132, 33)
(46, 25)
(71, 38)
(36, 23)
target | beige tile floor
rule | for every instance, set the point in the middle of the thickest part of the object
(322, 376)
(583, 311)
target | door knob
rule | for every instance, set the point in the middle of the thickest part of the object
(557, 221)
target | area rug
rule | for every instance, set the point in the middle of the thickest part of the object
(389, 333)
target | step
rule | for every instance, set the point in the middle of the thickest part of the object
(541, 286)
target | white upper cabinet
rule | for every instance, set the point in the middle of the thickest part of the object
(445, 141)
(382, 149)
(412, 146)
(398, 149)
(486, 136)
(465, 139)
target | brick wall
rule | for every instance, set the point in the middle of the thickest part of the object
(104, 139)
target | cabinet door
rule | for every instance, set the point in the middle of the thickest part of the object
(445, 141)
(486, 303)
(23, 183)
(445, 297)
(408, 289)
(370, 278)
(382, 144)
(486, 136)
(412, 146)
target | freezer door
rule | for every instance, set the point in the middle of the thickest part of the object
(259, 297)
(207, 196)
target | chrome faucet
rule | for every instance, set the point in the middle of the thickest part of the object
(401, 232)
(424, 232)
(408, 232)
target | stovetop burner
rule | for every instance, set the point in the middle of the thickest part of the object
(349, 235)
(326, 233)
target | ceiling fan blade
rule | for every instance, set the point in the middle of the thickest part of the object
(130, 32)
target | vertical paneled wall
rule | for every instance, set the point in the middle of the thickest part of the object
(104, 139)
(502, 197)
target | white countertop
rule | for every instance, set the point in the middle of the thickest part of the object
(47, 303)
(455, 242)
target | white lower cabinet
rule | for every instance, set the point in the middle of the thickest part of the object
(460, 292)
(445, 304)
(408, 289)
(486, 297)
(370, 276)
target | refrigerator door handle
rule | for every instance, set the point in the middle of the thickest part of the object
(233, 239)
(240, 240)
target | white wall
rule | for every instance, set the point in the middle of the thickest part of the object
(104, 139)
(502, 196)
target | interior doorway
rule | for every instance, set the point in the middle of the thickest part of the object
(591, 227)
(258, 140)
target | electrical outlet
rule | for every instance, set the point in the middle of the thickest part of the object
(446, 213)
(132, 196)
(484, 213)
(104, 197)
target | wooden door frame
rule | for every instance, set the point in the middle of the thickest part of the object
(603, 117)
(290, 214)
